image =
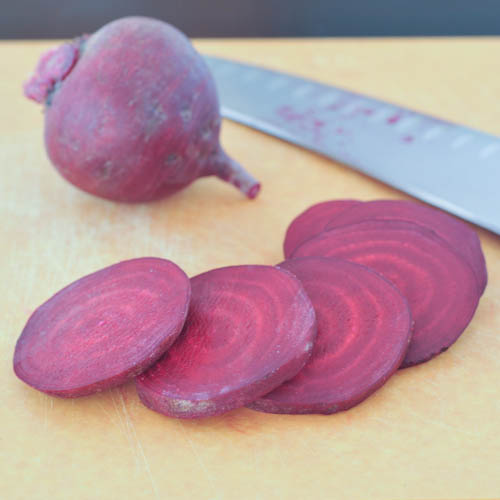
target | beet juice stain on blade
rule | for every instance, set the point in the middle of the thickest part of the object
(419, 154)
(438, 283)
(364, 328)
(249, 329)
(104, 328)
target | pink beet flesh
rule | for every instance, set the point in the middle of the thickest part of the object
(312, 221)
(249, 329)
(104, 328)
(364, 328)
(438, 283)
(455, 232)
(133, 114)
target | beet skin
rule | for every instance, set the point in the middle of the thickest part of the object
(132, 114)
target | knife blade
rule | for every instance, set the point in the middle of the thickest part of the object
(451, 166)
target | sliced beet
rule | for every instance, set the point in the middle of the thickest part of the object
(438, 283)
(459, 235)
(249, 329)
(312, 221)
(104, 328)
(364, 328)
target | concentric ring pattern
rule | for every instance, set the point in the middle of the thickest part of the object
(103, 328)
(249, 328)
(364, 328)
(456, 233)
(438, 283)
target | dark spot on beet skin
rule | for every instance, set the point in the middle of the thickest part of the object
(186, 115)
(172, 158)
(104, 171)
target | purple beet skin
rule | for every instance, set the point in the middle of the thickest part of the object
(131, 113)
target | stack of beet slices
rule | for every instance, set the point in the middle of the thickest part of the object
(366, 288)
(434, 260)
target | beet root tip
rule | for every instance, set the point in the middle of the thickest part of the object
(231, 171)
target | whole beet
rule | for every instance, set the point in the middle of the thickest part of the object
(131, 113)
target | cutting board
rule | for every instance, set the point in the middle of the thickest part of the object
(432, 432)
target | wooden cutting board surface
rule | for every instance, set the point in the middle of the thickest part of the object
(431, 433)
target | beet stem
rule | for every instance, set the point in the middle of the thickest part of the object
(231, 171)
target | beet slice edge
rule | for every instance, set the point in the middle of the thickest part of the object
(312, 221)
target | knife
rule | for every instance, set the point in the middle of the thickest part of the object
(451, 166)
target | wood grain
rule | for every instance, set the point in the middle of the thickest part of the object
(432, 432)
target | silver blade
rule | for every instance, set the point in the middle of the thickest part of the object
(450, 166)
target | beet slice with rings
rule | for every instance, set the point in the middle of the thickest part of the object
(438, 283)
(249, 329)
(104, 328)
(312, 221)
(459, 235)
(364, 328)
